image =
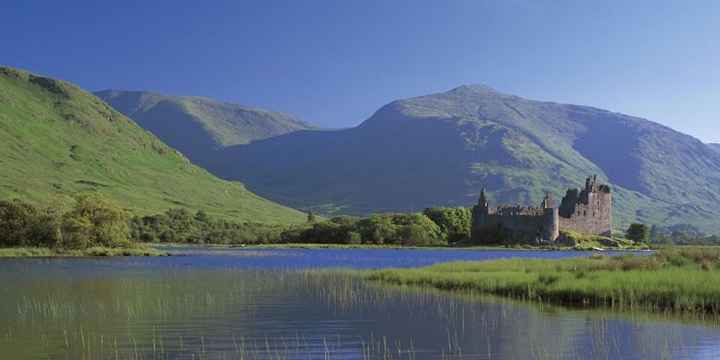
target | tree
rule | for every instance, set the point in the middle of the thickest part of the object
(354, 237)
(638, 233)
(77, 232)
(47, 229)
(95, 221)
(17, 220)
(310, 217)
(455, 223)
(377, 229)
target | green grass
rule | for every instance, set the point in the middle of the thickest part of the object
(57, 140)
(93, 251)
(391, 246)
(674, 279)
(579, 241)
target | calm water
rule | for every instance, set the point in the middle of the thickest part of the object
(269, 304)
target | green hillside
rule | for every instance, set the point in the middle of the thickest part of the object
(198, 126)
(441, 149)
(57, 140)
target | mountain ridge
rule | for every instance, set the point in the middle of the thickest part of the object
(519, 147)
(56, 140)
(198, 126)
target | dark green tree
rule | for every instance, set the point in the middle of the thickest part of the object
(17, 220)
(455, 223)
(638, 233)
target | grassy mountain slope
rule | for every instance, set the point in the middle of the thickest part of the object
(197, 126)
(57, 140)
(442, 148)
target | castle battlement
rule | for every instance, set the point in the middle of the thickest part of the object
(586, 211)
(508, 210)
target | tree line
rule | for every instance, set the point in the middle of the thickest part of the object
(92, 220)
(433, 227)
(182, 226)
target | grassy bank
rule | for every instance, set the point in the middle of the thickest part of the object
(93, 251)
(577, 241)
(673, 279)
(311, 246)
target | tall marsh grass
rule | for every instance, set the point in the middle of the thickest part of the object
(673, 279)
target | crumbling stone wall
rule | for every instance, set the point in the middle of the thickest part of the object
(514, 224)
(517, 228)
(587, 211)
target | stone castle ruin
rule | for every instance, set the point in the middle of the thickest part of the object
(587, 211)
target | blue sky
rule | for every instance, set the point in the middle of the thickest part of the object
(334, 63)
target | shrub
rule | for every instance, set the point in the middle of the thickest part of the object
(99, 221)
(455, 223)
(76, 232)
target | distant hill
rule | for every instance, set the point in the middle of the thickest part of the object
(198, 126)
(441, 149)
(57, 140)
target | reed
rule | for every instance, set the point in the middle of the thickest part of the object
(673, 279)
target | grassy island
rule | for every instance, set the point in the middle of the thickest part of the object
(672, 279)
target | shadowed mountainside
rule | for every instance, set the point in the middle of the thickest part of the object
(441, 149)
(198, 126)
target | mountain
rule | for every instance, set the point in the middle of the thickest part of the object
(441, 149)
(57, 140)
(198, 126)
(714, 146)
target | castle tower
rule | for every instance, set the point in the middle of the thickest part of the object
(551, 226)
(588, 211)
(482, 204)
(480, 217)
(548, 201)
(551, 214)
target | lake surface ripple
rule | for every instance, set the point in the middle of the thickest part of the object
(214, 303)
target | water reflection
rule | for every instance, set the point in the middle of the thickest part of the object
(220, 307)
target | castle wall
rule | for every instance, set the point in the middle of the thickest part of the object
(523, 228)
(593, 217)
(587, 211)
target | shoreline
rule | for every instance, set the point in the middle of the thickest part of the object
(44, 252)
(313, 246)
(163, 249)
